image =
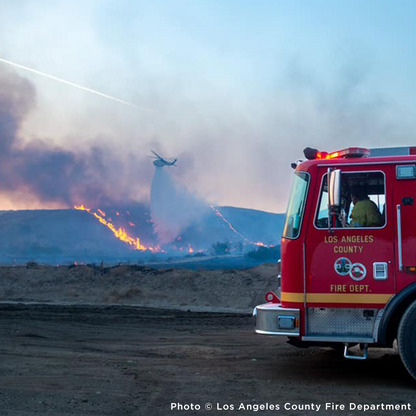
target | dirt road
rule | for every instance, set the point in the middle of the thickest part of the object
(78, 360)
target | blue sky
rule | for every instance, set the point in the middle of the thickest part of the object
(235, 89)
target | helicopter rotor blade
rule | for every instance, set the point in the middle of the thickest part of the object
(156, 155)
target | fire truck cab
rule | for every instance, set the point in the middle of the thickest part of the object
(347, 273)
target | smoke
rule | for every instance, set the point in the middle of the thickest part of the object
(242, 143)
(92, 175)
(172, 208)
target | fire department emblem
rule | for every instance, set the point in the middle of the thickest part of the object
(358, 272)
(342, 266)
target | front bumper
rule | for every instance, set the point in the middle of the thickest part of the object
(272, 319)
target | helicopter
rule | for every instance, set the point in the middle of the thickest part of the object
(160, 162)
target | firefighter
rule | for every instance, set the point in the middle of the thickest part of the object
(365, 212)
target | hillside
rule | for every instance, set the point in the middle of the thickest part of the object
(67, 236)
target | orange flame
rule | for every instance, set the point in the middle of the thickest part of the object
(119, 233)
(264, 245)
(191, 250)
(156, 249)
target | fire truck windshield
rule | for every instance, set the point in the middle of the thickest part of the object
(296, 205)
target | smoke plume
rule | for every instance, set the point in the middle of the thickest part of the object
(51, 173)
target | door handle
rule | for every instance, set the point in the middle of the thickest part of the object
(399, 237)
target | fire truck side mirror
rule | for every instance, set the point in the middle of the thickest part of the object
(334, 189)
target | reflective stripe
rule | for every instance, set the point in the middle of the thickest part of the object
(292, 297)
(336, 297)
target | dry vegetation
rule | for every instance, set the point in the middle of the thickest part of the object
(216, 290)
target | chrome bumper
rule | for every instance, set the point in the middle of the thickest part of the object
(272, 319)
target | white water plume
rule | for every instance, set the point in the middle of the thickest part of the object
(172, 208)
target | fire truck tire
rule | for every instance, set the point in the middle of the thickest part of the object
(406, 339)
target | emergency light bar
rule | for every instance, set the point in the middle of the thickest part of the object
(312, 154)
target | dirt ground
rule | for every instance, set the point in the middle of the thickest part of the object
(115, 360)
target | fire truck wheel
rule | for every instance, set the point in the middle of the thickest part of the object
(406, 339)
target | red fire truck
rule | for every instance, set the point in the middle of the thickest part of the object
(344, 280)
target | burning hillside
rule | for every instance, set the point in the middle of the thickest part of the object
(120, 232)
(65, 236)
(110, 216)
(181, 222)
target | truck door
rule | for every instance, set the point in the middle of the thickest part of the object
(349, 270)
(404, 207)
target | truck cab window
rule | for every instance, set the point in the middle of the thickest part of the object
(363, 202)
(296, 205)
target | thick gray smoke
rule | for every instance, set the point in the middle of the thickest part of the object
(51, 173)
(173, 208)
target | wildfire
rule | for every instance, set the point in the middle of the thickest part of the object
(218, 214)
(120, 233)
(263, 245)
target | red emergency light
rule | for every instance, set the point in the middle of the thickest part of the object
(312, 154)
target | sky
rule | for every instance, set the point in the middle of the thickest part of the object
(234, 89)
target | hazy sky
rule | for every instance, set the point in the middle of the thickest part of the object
(235, 89)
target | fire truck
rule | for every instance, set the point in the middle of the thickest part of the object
(344, 281)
